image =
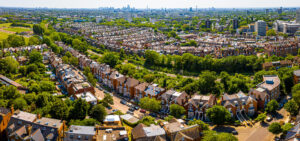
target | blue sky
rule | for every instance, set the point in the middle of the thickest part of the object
(150, 3)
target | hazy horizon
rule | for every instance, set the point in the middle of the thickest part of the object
(150, 3)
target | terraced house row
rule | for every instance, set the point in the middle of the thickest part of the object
(239, 105)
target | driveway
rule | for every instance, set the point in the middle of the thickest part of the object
(259, 132)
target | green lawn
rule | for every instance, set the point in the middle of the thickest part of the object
(17, 29)
(5, 25)
(3, 35)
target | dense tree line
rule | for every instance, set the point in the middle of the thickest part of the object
(190, 63)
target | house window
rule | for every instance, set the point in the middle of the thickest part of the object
(86, 138)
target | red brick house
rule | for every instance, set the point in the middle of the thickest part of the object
(196, 106)
(239, 104)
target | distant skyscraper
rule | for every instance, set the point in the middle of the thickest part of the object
(267, 11)
(235, 23)
(280, 10)
(298, 16)
(260, 27)
(208, 23)
(191, 9)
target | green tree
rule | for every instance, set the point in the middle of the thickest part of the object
(110, 59)
(286, 127)
(34, 40)
(98, 112)
(9, 65)
(218, 114)
(43, 99)
(47, 86)
(19, 103)
(80, 109)
(59, 109)
(10, 93)
(261, 117)
(85, 122)
(271, 32)
(107, 100)
(176, 110)
(37, 29)
(275, 128)
(296, 93)
(35, 57)
(272, 106)
(30, 98)
(210, 135)
(150, 104)
(147, 120)
(15, 40)
(203, 125)
(292, 107)
(74, 61)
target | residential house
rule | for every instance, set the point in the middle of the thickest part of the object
(6, 81)
(277, 64)
(296, 76)
(267, 90)
(80, 133)
(88, 97)
(192, 133)
(129, 118)
(129, 85)
(198, 104)
(144, 133)
(153, 91)
(239, 104)
(272, 84)
(172, 97)
(114, 77)
(177, 131)
(139, 91)
(111, 130)
(27, 126)
(5, 115)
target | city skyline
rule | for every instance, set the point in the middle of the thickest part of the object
(150, 4)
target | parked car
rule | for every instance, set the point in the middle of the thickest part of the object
(129, 112)
(115, 110)
(108, 107)
(143, 111)
(269, 118)
(153, 115)
(136, 107)
(234, 132)
(123, 102)
(129, 104)
(131, 109)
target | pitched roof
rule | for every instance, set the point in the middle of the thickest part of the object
(131, 82)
